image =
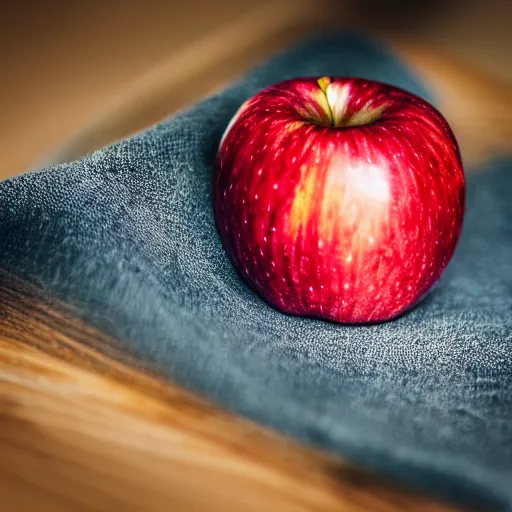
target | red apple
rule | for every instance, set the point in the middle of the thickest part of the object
(339, 198)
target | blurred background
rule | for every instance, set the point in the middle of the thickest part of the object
(67, 64)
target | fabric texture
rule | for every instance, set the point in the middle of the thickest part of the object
(128, 235)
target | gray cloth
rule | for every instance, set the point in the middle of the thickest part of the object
(127, 234)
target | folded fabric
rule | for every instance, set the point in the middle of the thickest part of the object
(128, 235)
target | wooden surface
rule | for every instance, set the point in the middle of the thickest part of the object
(81, 428)
(478, 105)
(65, 64)
(63, 61)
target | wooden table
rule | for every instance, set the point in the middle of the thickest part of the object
(83, 426)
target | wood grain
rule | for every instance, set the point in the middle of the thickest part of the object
(82, 428)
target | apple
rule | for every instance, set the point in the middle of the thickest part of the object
(339, 198)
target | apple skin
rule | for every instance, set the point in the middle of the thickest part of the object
(339, 198)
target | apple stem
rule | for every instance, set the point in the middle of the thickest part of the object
(323, 83)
